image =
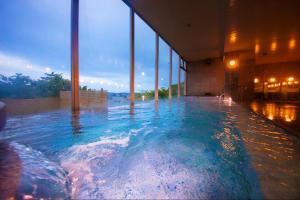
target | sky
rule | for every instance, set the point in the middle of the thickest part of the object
(35, 39)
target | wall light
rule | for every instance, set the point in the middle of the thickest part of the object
(291, 79)
(292, 43)
(272, 80)
(256, 80)
(273, 46)
(232, 63)
(257, 48)
(233, 37)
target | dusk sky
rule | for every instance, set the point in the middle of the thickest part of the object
(35, 39)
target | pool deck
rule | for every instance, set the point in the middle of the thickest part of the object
(286, 115)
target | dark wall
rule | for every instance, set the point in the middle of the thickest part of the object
(280, 71)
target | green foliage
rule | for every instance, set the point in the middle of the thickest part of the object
(20, 86)
(162, 92)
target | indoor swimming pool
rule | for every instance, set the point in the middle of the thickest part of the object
(188, 148)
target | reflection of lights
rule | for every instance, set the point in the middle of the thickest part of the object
(266, 83)
(233, 37)
(284, 83)
(272, 80)
(256, 80)
(254, 106)
(273, 46)
(287, 118)
(290, 83)
(284, 112)
(256, 48)
(291, 79)
(229, 101)
(292, 44)
(296, 82)
(143, 73)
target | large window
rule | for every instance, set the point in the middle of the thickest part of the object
(103, 51)
(144, 57)
(164, 64)
(175, 73)
(34, 51)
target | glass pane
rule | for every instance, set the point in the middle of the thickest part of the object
(104, 51)
(144, 59)
(164, 66)
(34, 54)
(175, 73)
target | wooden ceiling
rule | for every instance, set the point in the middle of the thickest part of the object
(201, 29)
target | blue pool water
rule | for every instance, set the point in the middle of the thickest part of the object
(193, 148)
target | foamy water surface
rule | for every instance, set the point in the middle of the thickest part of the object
(189, 149)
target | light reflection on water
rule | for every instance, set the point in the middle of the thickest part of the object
(273, 111)
(192, 148)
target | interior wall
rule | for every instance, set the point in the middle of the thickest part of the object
(278, 70)
(282, 86)
(204, 78)
(241, 81)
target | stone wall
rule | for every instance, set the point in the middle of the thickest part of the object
(87, 98)
(205, 78)
(30, 106)
(92, 99)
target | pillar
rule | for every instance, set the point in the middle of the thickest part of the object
(170, 75)
(75, 55)
(184, 90)
(178, 86)
(131, 55)
(156, 65)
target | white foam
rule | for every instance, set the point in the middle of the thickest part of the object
(145, 174)
(122, 141)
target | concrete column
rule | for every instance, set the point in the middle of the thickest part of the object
(178, 87)
(75, 55)
(156, 66)
(184, 91)
(131, 55)
(170, 75)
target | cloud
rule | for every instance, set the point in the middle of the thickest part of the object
(11, 64)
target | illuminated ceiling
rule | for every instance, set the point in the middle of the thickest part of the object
(200, 29)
